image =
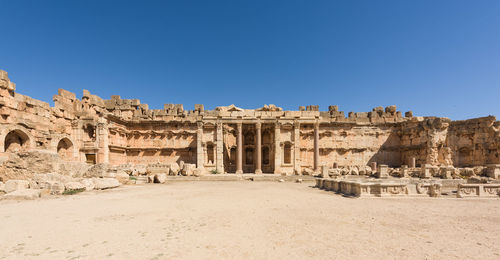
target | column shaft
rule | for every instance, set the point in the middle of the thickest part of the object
(316, 147)
(239, 150)
(199, 146)
(296, 148)
(258, 165)
(220, 149)
(277, 149)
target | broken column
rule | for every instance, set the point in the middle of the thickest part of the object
(383, 171)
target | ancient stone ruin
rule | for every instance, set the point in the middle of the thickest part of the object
(98, 138)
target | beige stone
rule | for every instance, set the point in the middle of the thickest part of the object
(93, 137)
(88, 183)
(122, 177)
(74, 186)
(160, 178)
(13, 185)
(23, 194)
(105, 183)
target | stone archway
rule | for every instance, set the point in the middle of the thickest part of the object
(65, 149)
(16, 141)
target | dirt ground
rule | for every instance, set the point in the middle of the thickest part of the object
(246, 220)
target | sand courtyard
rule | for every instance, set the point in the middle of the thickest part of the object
(246, 220)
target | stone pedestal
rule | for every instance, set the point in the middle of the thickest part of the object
(383, 171)
(425, 171)
(324, 171)
(404, 171)
(493, 171)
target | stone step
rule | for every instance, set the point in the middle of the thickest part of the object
(141, 179)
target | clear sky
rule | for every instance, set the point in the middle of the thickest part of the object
(433, 57)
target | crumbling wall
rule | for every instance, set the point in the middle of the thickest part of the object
(359, 145)
(474, 142)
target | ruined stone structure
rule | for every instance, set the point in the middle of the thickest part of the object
(230, 139)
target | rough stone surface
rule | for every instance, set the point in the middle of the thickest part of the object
(160, 178)
(174, 169)
(88, 183)
(122, 177)
(13, 185)
(105, 183)
(23, 194)
(95, 137)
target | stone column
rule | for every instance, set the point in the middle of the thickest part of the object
(199, 146)
(277, 148)
(239, 150)
(220, 149)
(258, 165)
(102, 140)
(413, 162)
(316, 147)
(296, 148)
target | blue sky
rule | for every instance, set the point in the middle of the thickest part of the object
(434, 57)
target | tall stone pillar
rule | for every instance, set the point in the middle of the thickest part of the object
(199, 146)
(220, 149)
(277, 148)
(258, 165)
(102, 136)
(239, 150)
(316, 147)
(413, 162)
(296, 148)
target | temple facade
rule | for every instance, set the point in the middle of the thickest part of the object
(230, 139)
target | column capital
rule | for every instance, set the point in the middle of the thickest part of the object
(200, 124)
(258, 125)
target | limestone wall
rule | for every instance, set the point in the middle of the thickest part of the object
(121, 131)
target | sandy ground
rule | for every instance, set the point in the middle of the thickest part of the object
(246, 220)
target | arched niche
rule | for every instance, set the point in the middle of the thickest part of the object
(65, 149)
(16, 141)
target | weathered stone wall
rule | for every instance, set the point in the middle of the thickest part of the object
(124, 131)
(474, 142)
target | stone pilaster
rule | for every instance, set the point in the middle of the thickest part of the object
(220, 149)
(277, 148)
(296, 148)
(239, 150)
(258, 165)
(102, 136)
(199, 146)
(316, 147)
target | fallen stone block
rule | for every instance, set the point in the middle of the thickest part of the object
(105, 183)
(74, 187)
(52, 187)
(88, 183)
(13, 185)
(122, 177)
(23, 194)
(174, 169)
(160, 178)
